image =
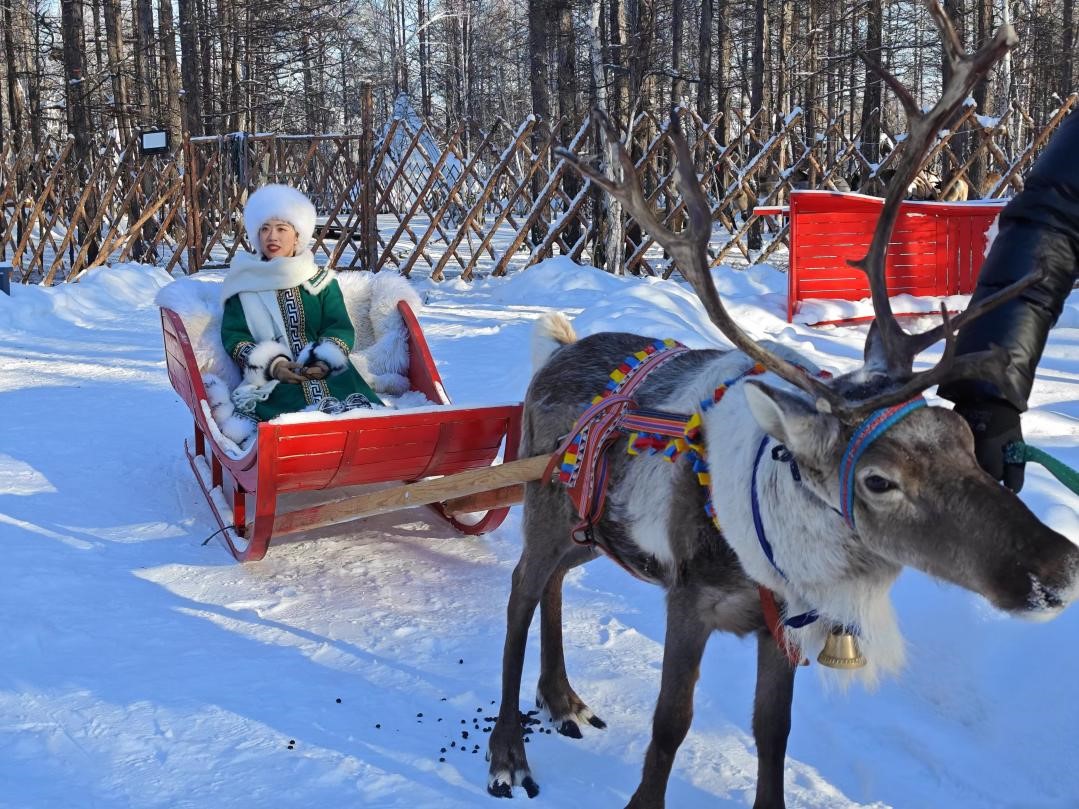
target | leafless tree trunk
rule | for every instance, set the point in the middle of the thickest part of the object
(396, 57)
(142, 24)
(611, 237)
(813, 39)
(872, 112)
(208, 105)
(619, 58)
(783, 60)
(704, 61)
(307, 71)
(1067, 71)
(237, 121)
(539, 47)
(425, 57)
(99, 56)
(170, 70)
(983, 30)
(723, 67)
(114, 41)
(957, 14)
(642, 26)
(758, 99)
(190, 72)
(540, 20)
(567, 102)
(758, 86)
(12, 64)
(678, 25)
(78, 105)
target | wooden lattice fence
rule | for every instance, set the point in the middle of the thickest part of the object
(62, 216)
(418, 201)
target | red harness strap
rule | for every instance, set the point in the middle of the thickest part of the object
(583, 454)
(775, 626)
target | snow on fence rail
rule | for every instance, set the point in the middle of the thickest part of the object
(422, 201)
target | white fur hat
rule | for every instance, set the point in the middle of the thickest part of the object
(279, 202)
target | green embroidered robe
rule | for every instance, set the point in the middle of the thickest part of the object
(318, 327)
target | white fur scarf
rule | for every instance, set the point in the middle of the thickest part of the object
(249, 273)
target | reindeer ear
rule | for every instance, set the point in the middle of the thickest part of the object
(792, 420)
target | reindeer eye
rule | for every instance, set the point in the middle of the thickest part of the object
(877, 484)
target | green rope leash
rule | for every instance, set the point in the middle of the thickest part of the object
(1021, 452)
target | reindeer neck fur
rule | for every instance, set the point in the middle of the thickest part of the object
(827, 567)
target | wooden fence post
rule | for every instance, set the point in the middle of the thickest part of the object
(368, 214)
(194, 223)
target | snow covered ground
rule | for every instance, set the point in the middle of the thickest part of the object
(142, 668)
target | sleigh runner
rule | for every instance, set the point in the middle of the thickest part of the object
(442, 456)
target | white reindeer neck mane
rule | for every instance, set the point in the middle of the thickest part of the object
(823, 562)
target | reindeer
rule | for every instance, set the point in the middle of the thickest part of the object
(804, 518)
(956, 191)
(925, 185)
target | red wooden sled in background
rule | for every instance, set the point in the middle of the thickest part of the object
(937, 248)
(442, 457)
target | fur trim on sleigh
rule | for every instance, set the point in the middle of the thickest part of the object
(380, 352)
(237, 427)
(197, 300)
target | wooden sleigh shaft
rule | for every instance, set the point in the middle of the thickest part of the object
(457, 494)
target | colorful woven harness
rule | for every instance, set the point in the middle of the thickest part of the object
(582, 457)
(583, 454)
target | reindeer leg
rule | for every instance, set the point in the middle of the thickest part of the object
(554, 691)
(687, 634)
(537, 570)
(771, 720)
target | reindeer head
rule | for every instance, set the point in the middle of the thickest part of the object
(916, 496)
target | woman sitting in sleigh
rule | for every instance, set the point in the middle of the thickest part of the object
(285, 322)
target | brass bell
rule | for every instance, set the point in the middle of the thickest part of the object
(841, 650)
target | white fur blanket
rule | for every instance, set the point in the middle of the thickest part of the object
(380, 353)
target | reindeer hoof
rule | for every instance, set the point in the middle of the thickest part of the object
(569, 728)
(500, 789)
(531, 787)
(501, 786)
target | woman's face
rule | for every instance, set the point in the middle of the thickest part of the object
(277, 238)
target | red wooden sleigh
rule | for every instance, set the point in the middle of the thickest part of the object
(936, 248)
(412, 449)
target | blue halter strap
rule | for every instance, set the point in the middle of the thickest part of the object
(794, 621)
(876, 424)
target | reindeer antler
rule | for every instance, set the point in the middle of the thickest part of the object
(890, 349)
(689, 248)
(887, 377)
